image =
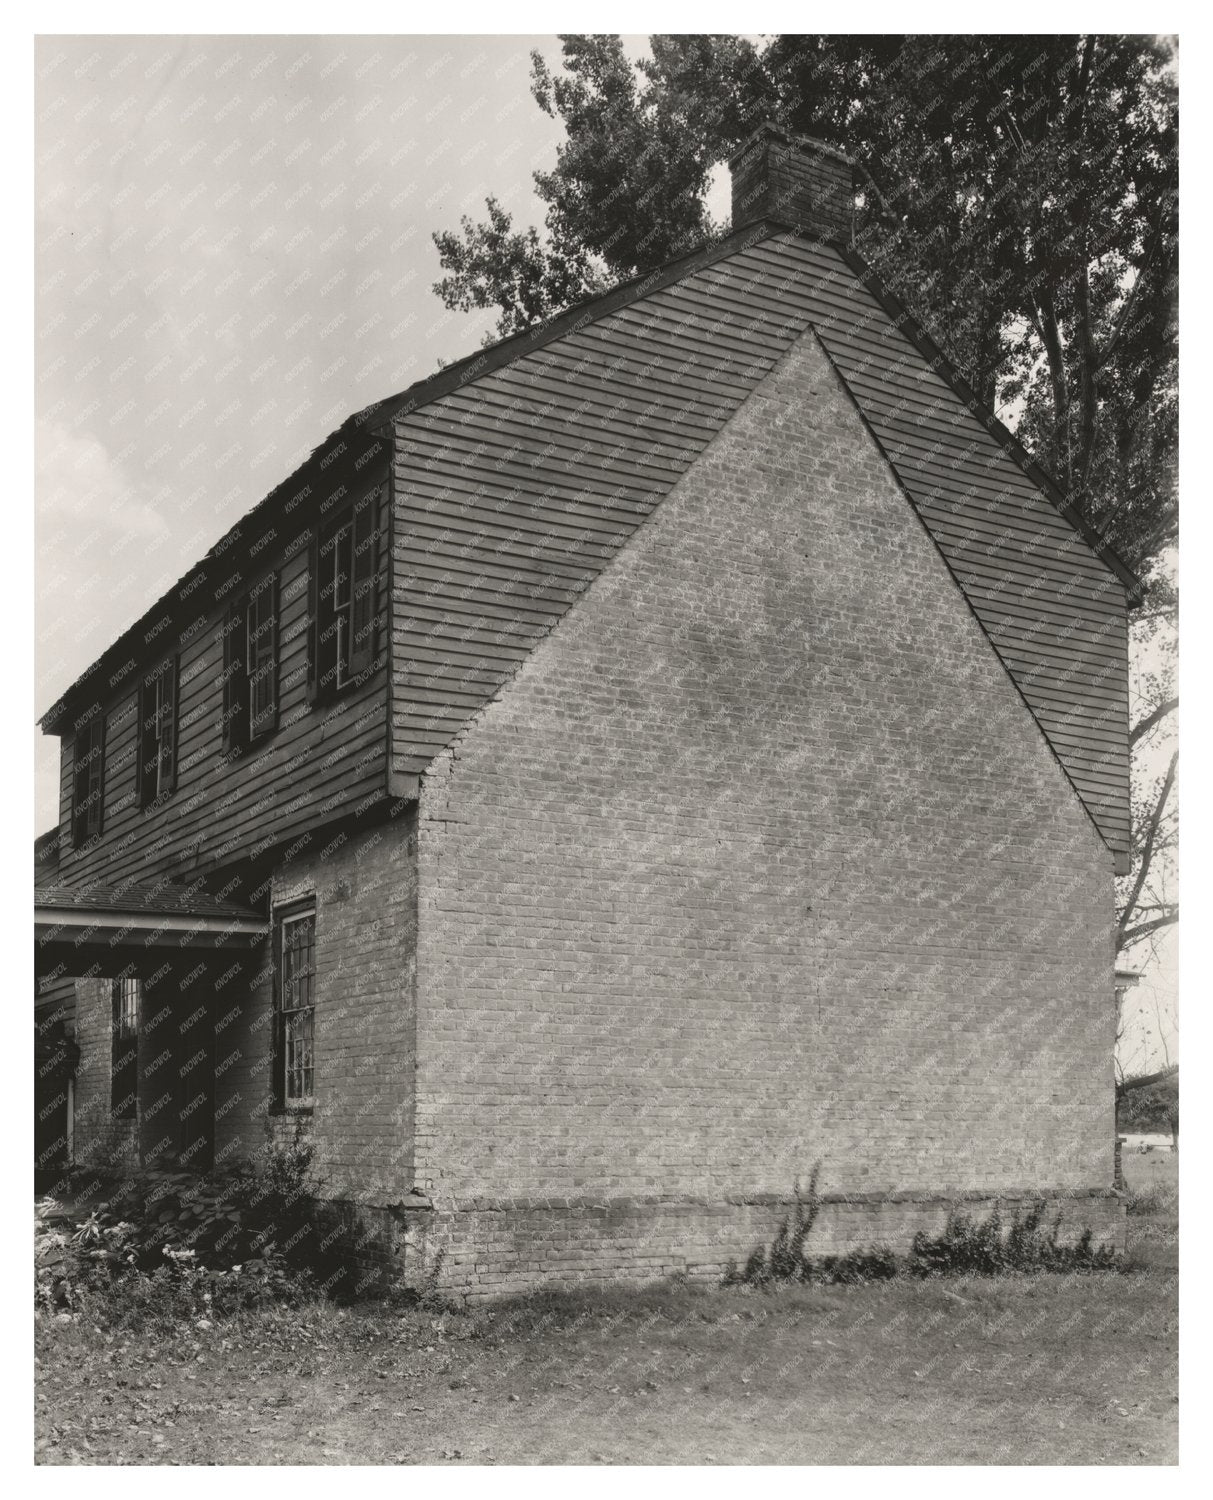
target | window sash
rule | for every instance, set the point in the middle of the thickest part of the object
(261, 658)
(345, 599)
(250, 650)
(158, 734)
(88, 781)
(127, 1002)
(295, 1063)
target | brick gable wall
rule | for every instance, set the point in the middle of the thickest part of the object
(363, 883)
(758, 861)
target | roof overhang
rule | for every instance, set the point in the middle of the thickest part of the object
(76, 941)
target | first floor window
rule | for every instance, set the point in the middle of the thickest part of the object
(88, 780)
(126, 1001)
(295, 1008)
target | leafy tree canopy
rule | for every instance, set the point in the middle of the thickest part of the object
(1018, 192)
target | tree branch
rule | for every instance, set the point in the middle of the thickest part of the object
(1147, 850)
(1126, 939)
(1139, 731)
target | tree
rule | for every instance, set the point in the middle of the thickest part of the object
(1019, 193)
(1150, 1101)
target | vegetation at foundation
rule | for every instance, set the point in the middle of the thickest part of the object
(966, 1247)
(158, 1247)
(1065, 1369)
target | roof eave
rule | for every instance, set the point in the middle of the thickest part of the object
(1040, 477)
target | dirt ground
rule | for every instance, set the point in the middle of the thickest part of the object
(1073, 1369)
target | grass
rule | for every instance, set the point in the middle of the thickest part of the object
(1059, 1369)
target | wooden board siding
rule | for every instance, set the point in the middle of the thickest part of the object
(321, 763)
(1053, 610)
(514, 492)
(516, 489)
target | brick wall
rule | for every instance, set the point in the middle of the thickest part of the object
(364, 885)
(100, 1141)
(498, 1249)
(761, 861)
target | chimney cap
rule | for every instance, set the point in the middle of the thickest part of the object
(772, 131)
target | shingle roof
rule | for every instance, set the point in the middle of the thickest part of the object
(137, 899)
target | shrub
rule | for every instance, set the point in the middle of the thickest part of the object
(965, 1247)
(983, 1249)
(170, 1244)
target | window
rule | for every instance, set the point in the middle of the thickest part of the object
(124, 1071)
(250, 668)
(345, 600)
(294, 1008)
(88, 781)
(156, 769)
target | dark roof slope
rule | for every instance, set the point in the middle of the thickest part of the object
(140, 899)
(517, 486)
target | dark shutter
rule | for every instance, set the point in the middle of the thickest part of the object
(235, 680)
(168, 727)
(96, 779)
(263, 658)
(365, 572)
(145, 779)
(313, 619)
(80, 748)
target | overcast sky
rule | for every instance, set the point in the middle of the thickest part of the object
(233, 253)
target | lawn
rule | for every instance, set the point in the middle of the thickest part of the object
(1058, 1369)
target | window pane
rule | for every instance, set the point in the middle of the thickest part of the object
(296, 995)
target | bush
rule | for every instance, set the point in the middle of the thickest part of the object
(168, 1245)
(982, 1249)
(965, 1247)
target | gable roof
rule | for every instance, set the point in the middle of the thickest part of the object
(521, 469)
(520, 474)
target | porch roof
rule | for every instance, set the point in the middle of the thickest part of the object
(79, 928)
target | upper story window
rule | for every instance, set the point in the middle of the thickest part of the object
(250, 669)
(345, 599)
(295, 1008)
(88, 781)
(156, 768)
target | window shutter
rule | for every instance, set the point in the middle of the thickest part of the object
(313, 619)
(168, 726)
(262, 661)
(96, 780)
(235, 689)
(365, 574)
(143, 742)
(271, 656)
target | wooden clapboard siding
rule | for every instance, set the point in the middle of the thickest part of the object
(1055, 612)
(514, 492)
(517, 487)
(321, 762)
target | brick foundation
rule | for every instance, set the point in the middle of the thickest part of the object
(488, 1248)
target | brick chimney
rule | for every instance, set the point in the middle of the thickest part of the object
(794, 179)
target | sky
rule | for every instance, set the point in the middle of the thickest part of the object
(232, 253)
